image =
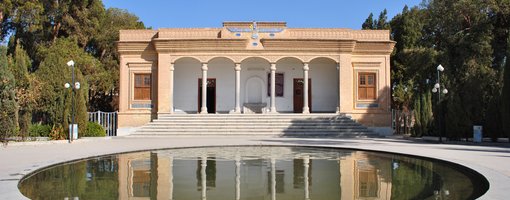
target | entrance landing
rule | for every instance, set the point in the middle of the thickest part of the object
(292, 125)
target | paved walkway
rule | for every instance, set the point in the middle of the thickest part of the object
(17, 160)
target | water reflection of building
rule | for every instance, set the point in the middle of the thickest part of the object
(237, 176)
(368, 175)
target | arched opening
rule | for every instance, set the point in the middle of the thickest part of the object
(324, 75)
(254, 72)
(187, 71)
(289, 69)
(221, 69)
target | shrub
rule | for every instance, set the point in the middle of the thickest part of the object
(57, 133)
(94, 130)
(39, 130)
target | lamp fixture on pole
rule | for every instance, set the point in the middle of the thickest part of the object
(437, 88)
(75, 86)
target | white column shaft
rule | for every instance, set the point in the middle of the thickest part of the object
(273, 179)
(203, 109)
(204, 176)
(171, 88)
(306, 109)
(237, 109)
(273, 88)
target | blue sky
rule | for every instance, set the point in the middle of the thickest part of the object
(297, 13)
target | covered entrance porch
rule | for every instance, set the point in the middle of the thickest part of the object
(251, 85)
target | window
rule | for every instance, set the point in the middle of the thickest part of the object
(278, 84)
(366, 86)
(142, 86)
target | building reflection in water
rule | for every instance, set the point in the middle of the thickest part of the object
(167, 175)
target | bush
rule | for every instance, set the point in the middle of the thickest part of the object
(94, 130)
(57, 133)
(39, 130)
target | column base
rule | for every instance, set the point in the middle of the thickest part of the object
(237, 110)
(338, 110)
(306, 110)
(203, 110)
(272, 110)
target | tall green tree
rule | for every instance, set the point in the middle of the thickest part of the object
(101, 47)
(26, 88)
(7, 99)
(369, 23)
(56, 101)
(382, 22)
(505, 97)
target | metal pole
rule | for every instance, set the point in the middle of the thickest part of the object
(439, 108)
(72, 108)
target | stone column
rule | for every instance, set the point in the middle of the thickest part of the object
(338, 99)
(203, 110)
(273, 88)
(171, 88)
(204, 176)
(273, 179)
(163, 84)
(306, 161)
(306, 109)
(237, 109)
(124, 85)
(238, 178)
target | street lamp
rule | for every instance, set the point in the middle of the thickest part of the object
(437, 88)
(76, 85)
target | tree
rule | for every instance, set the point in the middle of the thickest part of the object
(369, 23)
(505, 111)
(56, 101)
(7, 99)
(26, 88)
(101, 47)
(382, 23)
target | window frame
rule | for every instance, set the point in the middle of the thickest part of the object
(139, 88)
(363, 88)
(278, 84)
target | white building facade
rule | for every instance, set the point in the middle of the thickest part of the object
(255, 67)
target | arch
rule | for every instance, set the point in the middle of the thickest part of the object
(254, 90)
(312, 59)
(247, 59)
(212, 59)
(180, 59)
(289, 58)
(324, 73)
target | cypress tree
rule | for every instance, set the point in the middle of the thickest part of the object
(417, 117)
(7, 99)
(505, 96)
(369, 23)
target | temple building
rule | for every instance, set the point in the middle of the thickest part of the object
(255, 68)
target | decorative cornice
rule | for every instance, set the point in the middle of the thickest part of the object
(374, 47)
(309, 45)
(173, 45)
(134, 46)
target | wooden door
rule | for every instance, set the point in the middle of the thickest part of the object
(211, 95)
(299, 94)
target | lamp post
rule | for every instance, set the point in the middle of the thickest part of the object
(76, 85)
(437, 88)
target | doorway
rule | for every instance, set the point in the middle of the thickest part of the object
(299, 94)
(211, 95)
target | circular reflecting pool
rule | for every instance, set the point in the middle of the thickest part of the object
(255, 173)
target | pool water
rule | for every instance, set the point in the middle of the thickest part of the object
(262, 172)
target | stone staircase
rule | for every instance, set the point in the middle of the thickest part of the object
(292, 125)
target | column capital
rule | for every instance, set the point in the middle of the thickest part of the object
(273, 67)
(305, 67)
(204, 67)
(172, 68)
(237, 67)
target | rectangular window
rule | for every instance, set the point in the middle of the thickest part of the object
(143, 86)
(366, 86)
(278, 84)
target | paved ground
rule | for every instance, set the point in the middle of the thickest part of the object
(16, 160)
